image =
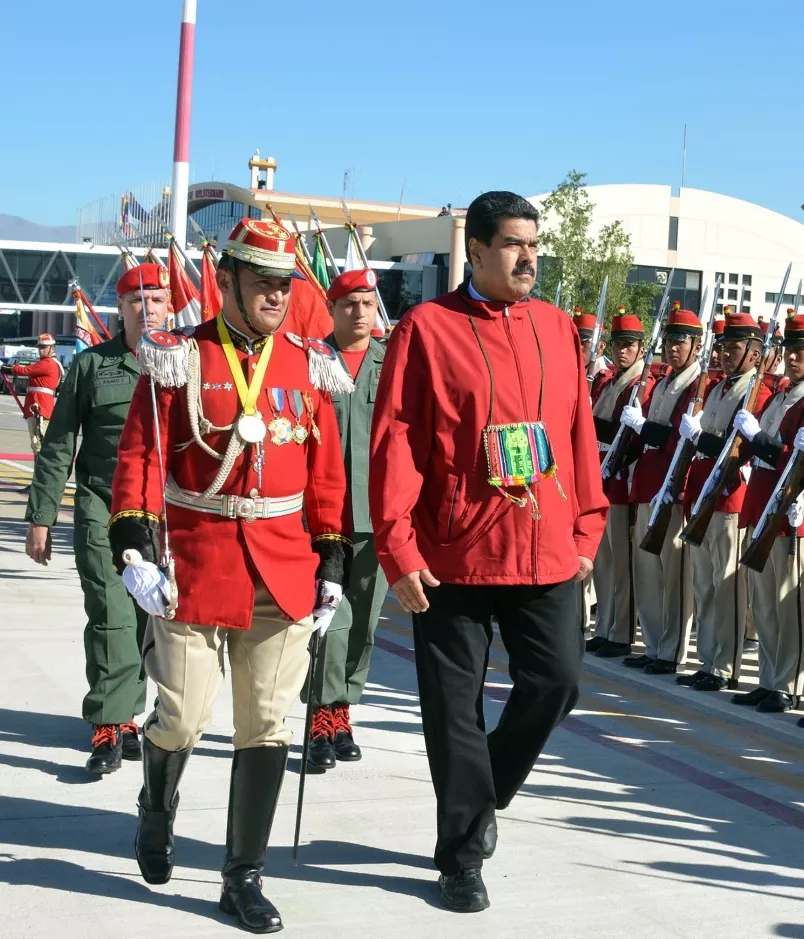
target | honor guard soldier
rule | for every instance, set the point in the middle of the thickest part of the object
(43, 377)
(775, 593)
(613, 573)
(774, 376)
(664, 581)
(93, 404)
(345, 653)
(244, 482)
(719, 582)
(715, 371)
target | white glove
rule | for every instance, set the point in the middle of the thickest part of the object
(690, 428)
(667, 498)
(146, 583)
(745, 472)
(328, 598)
(798, 443)
(746, 423)
(632, 417)
(795, 514)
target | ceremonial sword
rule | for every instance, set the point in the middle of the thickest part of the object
(315, 643)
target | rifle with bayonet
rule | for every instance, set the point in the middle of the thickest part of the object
(599, 317)
(728, 462)
(676, 475)
(617, 456)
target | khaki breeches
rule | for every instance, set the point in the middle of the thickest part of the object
(664, 590)
(586, 600)
(720, 586)
(777, 604)
(33, 433)
(614, 582)
(186, 662)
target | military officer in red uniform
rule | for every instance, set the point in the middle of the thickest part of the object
(249, 440)
(43, 377)
(664, 581)
(613, 572)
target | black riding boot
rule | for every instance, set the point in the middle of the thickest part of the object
(257, 775)
(159, 799)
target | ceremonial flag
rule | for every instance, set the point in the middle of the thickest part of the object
(211, 300)
(319, 265)
(354, 259)
(132, 215)
(183, 293)
(85, 333)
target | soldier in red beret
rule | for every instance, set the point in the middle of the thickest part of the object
(346, 650)
(249, 486)
(43, 377)
(719, 582)
(92, 404)
(664, 582)
(615, 628)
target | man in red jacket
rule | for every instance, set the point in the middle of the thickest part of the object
(40, 397)
(775, 592)
(254, 488)
(664, 582)
(486, 501)
(614, 571)
(719, 583)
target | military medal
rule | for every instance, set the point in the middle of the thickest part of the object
(308, 403)
(251, 428)
(281, 431)
(296, 404)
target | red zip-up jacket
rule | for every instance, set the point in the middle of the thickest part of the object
(430, 500)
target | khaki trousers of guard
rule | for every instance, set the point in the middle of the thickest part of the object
(777, 604)
(186, 661)
(33, 433)
(663, 590)
(586, 600)
(720, 586)
(614, 581)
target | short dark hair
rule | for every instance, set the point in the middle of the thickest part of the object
(484, 215)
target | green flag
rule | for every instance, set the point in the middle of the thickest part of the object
(319, 265)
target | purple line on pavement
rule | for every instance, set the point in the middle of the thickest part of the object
(782, 812)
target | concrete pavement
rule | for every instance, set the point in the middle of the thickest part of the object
(655, 812)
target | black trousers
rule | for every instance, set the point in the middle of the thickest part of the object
(474, 773)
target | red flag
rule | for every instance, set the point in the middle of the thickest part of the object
(211, 299)
(183, 292)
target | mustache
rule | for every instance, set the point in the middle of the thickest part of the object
(524, 268)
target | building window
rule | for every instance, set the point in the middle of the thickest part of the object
(720, 294)
(746, 280)
(732, 294)
(786, 298)
(719, 308)
(747, 296)
(720, 274)
(734, 278)
(746, 309)
(672, 241)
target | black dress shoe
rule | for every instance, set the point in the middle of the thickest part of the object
(344, 744)
(638, 661)
(593, 644)
(750, 698)
(613, 650)
(132, 750)
(490, 838)
(157, 804)
(107, 750)
(254, 912)
(321, 754)
(690, 679)
(711, 683)
(750, 645)
(661, 667)
(464, 892)
(775, 703)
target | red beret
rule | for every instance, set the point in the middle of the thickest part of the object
(264, 245)
(363, 279)
(154, 277)
(683, 322)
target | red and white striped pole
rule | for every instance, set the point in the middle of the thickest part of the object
(181, 144)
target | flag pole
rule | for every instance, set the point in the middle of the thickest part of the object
(181, 140)
(364, 258)
(324, 243)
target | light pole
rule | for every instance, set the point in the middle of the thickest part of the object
(181, 142)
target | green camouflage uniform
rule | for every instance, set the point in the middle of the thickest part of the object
(94, 401)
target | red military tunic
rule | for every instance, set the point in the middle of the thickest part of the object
(763, 477)
(616, 489)
(220, 560)
(43, 380)
(731, 500)
(654, 462)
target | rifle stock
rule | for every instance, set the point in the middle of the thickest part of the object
(767, 530)
(654, 538)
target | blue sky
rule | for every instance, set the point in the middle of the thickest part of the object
(447, 98)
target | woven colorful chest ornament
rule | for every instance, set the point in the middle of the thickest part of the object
(519, 455)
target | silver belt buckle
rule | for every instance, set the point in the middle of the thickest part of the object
(246, 509)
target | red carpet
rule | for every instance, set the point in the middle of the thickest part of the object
(17, 456)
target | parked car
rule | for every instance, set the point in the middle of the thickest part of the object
(19, 382)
